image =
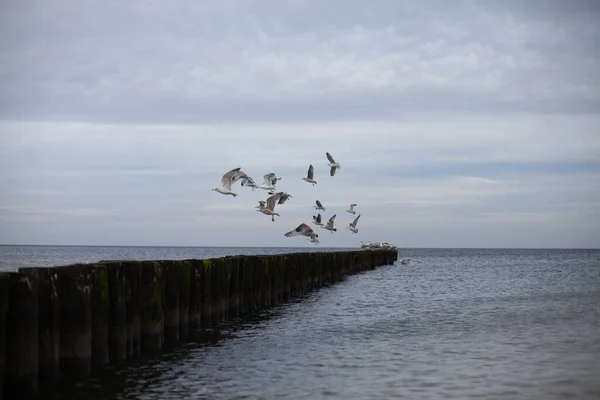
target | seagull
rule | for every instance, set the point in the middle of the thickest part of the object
(332, 164)
(351, 209)
(270, 180)
(319, 206)
(329, 225)
(310, 175)
(352, 225)
(228, 179)
(302, 230)
(284, 197)
(317, 219)
(270, 208)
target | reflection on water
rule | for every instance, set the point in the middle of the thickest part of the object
(458, 324)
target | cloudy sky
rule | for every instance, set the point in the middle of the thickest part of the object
(457, 124)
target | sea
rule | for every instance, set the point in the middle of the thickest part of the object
(450, 324)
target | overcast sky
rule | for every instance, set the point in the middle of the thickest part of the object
(456, 123)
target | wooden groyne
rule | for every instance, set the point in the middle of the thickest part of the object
(65, 322)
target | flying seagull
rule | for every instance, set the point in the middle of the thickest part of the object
(310, 175)
(329, 225)
(317, 219)
(270, 208)
(351, 209)
(319, 206)
(352, 225)
(302, 230)
(270, 180)
(228, 179)
(334, 165)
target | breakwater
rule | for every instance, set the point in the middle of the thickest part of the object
(65, 322)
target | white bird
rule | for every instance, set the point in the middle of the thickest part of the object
(334, 165)
(270, 208)
(319, 206)
(351, 209)
(284, 197)
(302, 230)
(270, 180)
(329, 225)
(352, 225)
(317, 219)
(228, 179)
(310, 175)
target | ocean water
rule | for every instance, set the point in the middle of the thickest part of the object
(452, 324)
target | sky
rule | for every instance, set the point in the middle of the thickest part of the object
(456, 124)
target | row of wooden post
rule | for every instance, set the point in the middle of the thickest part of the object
(65, 322)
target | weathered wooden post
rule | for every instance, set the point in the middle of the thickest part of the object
(49, 327)
(133, 280)
(151, 306)
(222, 284)
(185, 286)
(21, 373)
(171, 301)
(117, 316)
(285, 276)
(100, 298)
(206, 298)
(275, 280)
(5, 285)
(195, 311)
(75, 288)
(233, 267)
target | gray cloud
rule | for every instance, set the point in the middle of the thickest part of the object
(190, 62)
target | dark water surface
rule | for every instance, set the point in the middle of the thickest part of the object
(454, 324)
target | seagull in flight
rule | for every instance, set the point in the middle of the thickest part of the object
(329, 225)
(334, 165)
(319, 206)
(317, 219)
(351, 209)
(302, 230)
(229, 179)
(270, 208)
(352, 225)
(310, 175)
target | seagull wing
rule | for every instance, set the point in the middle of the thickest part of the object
(267, 178)
(330, 222)
(355, 221)
(227, 179)
(331, 160)
(319, 217)
(311, 172)
(283, 198)
(302, 229)
(332, 171)
(271, 201)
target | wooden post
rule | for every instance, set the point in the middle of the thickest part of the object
(151, 306)
(117, 317)
(185, 276)
(171, 301)
(75, 287)
(49, 327)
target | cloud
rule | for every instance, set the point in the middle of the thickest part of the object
(150, 62)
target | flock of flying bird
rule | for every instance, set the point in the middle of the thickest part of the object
(267, 207)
